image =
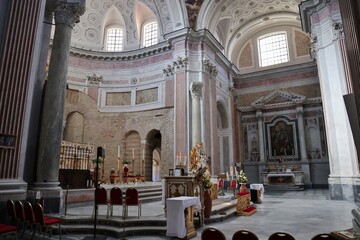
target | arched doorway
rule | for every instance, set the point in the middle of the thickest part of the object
(153, 154)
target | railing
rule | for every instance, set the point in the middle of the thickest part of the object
(76, 156)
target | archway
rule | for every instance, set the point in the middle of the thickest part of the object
(152, 152)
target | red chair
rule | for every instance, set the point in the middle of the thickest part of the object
(46, 223)
(8, 231)
(211, 233)
(101, 199)
(323, 236)
(10, 205)
(244, 235)
(281, 236)
(20, 215)
(221, 187)
(132, 199)
(116, 198)
(233, 185)
(30, 217)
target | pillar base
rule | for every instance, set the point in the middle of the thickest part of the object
(344, 188)
(52, 193)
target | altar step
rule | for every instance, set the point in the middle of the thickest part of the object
(116, 227)
(283, 188)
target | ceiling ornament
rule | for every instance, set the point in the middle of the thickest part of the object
(193, 8)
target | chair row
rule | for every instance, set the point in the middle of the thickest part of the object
(212, 233)
(131, 198)
(26, 216)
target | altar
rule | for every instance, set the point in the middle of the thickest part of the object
(285, 179)
(179, 220)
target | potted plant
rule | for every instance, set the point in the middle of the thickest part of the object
(242, 179)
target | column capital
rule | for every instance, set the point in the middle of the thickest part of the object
(259, 114)
(299, 110)
(196, 90)
(69, 11)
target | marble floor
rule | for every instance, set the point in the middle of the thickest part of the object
(303, 214)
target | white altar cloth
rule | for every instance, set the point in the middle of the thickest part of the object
(259, 187)
(175, 221)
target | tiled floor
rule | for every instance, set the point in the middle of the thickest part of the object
(300, 213)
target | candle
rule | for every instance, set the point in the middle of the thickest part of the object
(118, 161)
(143, 153)
(119, 151)
(133, 153)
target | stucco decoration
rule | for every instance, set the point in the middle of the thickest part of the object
(89, 33)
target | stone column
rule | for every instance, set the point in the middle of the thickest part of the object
(260, 118)
(196, 93)
(67, 13)
(300, 118)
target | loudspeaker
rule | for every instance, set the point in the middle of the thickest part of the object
(101, 152)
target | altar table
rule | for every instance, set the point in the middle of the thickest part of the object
(176, 224)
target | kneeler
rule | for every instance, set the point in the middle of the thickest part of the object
(243, 207)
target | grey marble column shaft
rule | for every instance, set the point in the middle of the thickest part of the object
(196, 93)
(300, 118)
(66, 15)
(259, 116)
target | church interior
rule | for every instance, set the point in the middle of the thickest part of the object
(122, 91)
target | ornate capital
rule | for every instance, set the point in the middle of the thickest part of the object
(196, 90)
(211, 68)
(313, 47)
(338, 29)
(259, 114)
(69, 12)
(179, 64)
(94, 79)
(299, 110)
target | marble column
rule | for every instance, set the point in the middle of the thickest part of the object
(260, 118)
(300, 118)
(67, 13)
(196, 93)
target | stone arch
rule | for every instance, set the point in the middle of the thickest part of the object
(74, 127)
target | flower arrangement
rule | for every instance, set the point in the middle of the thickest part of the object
(207, 179)
(242, 177)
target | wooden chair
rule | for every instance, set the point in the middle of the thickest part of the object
(211, 233)
(244, 235)
(281, 236)
(132, 199)
(30, 217)
(101, 199)
(116, 198)
(8, 231)
(45, 223)
(323, 236)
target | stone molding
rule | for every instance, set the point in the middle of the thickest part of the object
(69, 13)
(196, 90)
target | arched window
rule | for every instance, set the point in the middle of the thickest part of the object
(114, 39)
(273, 49)
(150, 34)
